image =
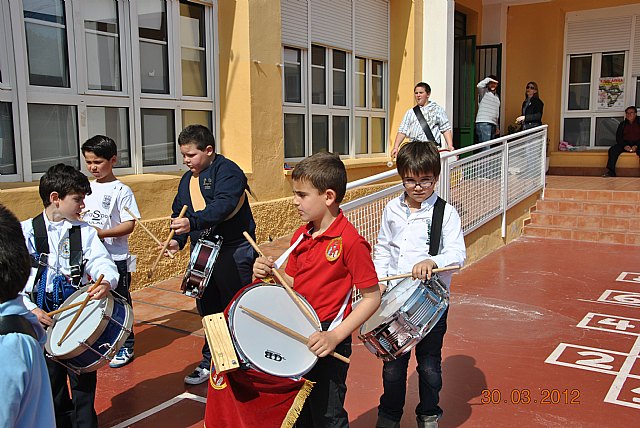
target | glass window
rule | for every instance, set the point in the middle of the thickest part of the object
(46, 34)
(158, 137)
(318, 75)
(196, 117)
(319, 133)
(637, 103)
(292, 75)
(361, 135)
(612, 65)
(340, 134)
(361, 82)
(376, 84)
(152, 30)
(7, 143)
(114, 123)
(606, 130)
(102, 41)
(294, 141)
(579, 82)
(377, 135)
(192, 35)
(53, 135)
(339, 78)
(577, 131)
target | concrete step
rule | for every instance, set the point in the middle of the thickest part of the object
(592, 195)
(580, 207)
(586, 234)
(586, 221)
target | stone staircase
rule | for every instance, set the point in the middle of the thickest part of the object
(606, 216)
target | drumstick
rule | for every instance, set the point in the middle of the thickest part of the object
(166, 244)
(286, 330)
(66, 308)
(79, 311)
(156, 240)
(407, 275)
(286, 286)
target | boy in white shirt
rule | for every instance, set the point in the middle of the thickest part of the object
(403, 246)
(106, 213)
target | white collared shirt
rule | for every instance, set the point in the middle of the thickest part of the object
(436, 118)
(404, 239)
(98, 259)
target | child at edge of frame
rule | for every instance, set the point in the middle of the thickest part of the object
(329, 260)
(403, 246)
(62, 190)
(105, 211)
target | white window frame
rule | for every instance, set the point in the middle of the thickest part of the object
(368, 111)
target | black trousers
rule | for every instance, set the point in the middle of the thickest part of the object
(124, 285)
(232, 271)
(76, 411)
(614, 153)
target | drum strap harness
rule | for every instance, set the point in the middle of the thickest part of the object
(16, 324)
(423, 123)
(61, 289)
(436, 226)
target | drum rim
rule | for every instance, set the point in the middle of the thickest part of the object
(238, 347)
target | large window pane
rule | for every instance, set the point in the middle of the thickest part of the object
(7, 143)
(361, 83)
(196, 117)
(294, 141)
(152, 30)
(114, 123)
(340, 134)
(612, 65)
(53, 135)
(339, 78)
(46, 42)
(319, 133)
(580, 69)
(158, 137)
(292, 76)
(376, 84)
(318, 75)
(102, 41)
(377, 135)
(579, 82)
(579, 97)
(192, 36)
(577, 131)
(360, 135)
(606, 131)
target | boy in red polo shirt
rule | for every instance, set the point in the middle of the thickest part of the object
(329, 260)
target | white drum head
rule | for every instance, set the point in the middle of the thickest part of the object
(265, 347)
(86, 324)
(391, 303)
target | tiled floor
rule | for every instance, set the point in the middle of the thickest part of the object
(542, 333)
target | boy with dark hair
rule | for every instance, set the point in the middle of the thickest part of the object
(214, 191)
(24, 380)
(107, 207)
(65, 252)
(403, 246)
(327, 262)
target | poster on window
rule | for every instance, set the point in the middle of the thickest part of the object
(611, 93)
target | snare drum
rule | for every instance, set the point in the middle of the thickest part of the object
(261, 346)
(98, 334)
(407, 313)
(203, 257)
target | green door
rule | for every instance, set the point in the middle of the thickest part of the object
(464, 90)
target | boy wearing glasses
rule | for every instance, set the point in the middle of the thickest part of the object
(403, 246)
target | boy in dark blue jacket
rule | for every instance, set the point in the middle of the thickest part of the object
(214, 191)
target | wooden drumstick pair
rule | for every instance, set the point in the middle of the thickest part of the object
(83, 304)
(286, 286)
(151, 235)
(183, 211)
(407, 275)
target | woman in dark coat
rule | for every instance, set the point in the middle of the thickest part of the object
(531, 108)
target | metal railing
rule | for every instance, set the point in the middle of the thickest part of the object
(480, 186)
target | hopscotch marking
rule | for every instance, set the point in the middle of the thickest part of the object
(611, 323)
(627, 298)
(160, 407)
(633, 277)
(624, 382)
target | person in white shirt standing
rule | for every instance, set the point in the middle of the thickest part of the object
(107, 214)
(410, 241)
(487, 118)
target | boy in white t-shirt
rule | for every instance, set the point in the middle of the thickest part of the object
(106, 213)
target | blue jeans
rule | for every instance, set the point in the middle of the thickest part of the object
(485, 131)
(394, 377)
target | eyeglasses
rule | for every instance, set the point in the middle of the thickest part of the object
(531, 87)
(425, 182)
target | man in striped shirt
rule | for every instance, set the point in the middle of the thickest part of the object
(435, 117)
(488, 110)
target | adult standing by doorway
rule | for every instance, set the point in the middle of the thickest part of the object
(532, 107)
(435, 124)
(487, 118)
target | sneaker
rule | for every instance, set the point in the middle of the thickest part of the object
(198, 376)
(427, 421)
(607, 174)
(122, 358)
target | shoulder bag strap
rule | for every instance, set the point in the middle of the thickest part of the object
(16, 324)
(42, 249)
(424, 124)
(76, 264)
(436, 226)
